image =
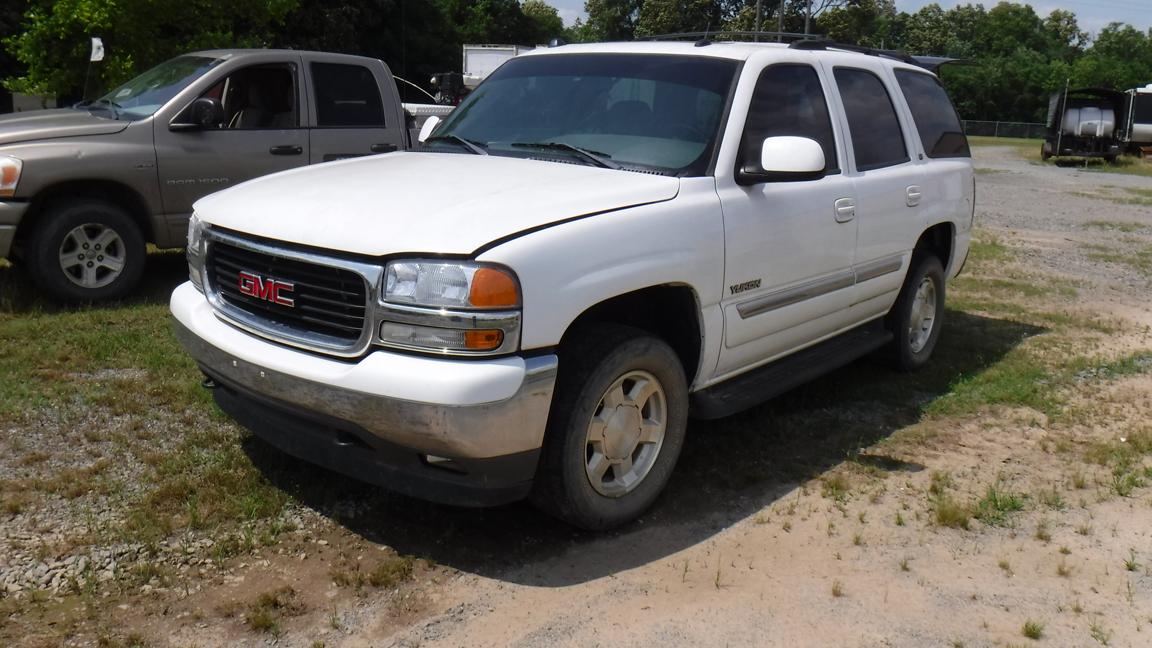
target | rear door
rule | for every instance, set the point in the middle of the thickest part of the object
(888, 186)
(353, 113)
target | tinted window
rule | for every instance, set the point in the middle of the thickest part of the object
(346, 95)
(876, 138)
(936, 119)
(789, 100)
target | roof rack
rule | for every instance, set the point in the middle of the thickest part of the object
(930, 63)
(708, 37)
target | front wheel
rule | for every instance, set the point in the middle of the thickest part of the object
(616, 427)
(918, 314)
(86, 251)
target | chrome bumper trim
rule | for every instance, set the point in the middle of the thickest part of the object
(476, 431)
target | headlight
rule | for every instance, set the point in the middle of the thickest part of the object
(10, 168)
(451, 307)
(450, 285)
(195, 252)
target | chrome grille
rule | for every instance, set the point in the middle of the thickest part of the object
(331, 305)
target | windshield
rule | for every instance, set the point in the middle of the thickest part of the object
(144, 95)
(632, 111)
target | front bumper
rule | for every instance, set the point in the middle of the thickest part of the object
(380, 417)
(10, 214)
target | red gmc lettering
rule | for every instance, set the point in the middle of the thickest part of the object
(266, 288)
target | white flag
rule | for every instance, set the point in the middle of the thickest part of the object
(97, 50)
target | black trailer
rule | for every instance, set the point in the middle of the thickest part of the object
(1082, 123)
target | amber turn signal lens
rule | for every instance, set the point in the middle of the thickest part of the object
(483, 340)
(492, 288)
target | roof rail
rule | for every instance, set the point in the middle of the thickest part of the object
(710, 36)
(930, 63)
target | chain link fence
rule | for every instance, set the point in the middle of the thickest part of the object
(1004, 129)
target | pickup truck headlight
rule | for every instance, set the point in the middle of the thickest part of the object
(453, 307)
(10, 169)
(194, 252)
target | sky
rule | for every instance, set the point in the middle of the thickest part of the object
(1091, 14)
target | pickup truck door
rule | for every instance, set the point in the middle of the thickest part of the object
(355, 108)
(259, 132)
(789, 245)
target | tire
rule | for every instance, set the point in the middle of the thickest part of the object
(599, 484)
(918, 314)
(112, 262)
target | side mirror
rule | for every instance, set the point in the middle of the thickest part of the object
(430, 125)
(785, 158)
(205, 112)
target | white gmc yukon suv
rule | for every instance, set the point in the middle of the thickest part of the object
(600, 242)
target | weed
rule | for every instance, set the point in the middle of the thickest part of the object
(837, 589)
(904, 565)
(1130, 562)
(266, 611)
(1098, 632)
(940, 481)
(1084, 529)
(1063, 570)
(1042, 532)
(858, 539)
(787, 526)
(835, 487)
(997, 504)
(1051, 498)
(1005, 566)
(1064, 551)
(899, 519)
(1033, 629)
(951, 514)
(391, 572)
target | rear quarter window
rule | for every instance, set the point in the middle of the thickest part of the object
(877, 140)
(936, 120)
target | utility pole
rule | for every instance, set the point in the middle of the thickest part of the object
(759, 16)
(780, 22)
(808, 19)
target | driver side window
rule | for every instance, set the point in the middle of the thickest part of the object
(789, 100)
(261, 97)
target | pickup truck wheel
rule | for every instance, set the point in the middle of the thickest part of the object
(918, 314)
(616, 428)
(86, 250)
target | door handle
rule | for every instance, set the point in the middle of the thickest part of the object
(845, 210)
(913, 195)
(286, 149)
(382, 148)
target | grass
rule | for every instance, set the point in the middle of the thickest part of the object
(266, 611)
(950, 513)
(1032, 629)
(1119, 226)
(996, 506)
(1139, 259)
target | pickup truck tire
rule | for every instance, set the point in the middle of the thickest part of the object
(86, 250)
(616, 428)
(918, 314)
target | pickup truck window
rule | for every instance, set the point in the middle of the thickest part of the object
(788, 100)
(258, 97)
(144, 95)
(640, 111)
(936, 120)
(877, 140)
(346, 96)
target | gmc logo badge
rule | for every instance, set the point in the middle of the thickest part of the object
(266, 288)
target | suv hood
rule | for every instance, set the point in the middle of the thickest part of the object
(440, 203)
(51, 124)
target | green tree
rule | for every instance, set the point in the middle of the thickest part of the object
(545, 19)
(137, 34)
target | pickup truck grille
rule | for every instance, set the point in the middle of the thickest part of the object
(310, 301)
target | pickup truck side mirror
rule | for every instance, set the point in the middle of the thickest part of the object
(784, 158)
(205, 112)
(430, 125)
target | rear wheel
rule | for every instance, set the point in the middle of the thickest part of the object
(616, 428)
(86, 250)
(918, 314)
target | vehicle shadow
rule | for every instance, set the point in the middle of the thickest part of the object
(729, 470)
(165, 270)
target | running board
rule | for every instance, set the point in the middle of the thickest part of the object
(760, 384)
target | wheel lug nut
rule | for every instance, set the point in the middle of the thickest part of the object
(97, 246)
(99, 257)
(85, 246)
(80, 256)
(90, 264)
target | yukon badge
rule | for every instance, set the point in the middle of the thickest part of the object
(266, 288)
(741, 287)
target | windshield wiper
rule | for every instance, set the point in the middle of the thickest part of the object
(475, 147)
(107, 104)
(595, 157)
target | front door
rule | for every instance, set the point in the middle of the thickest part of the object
(258, 133)
(789, 245)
